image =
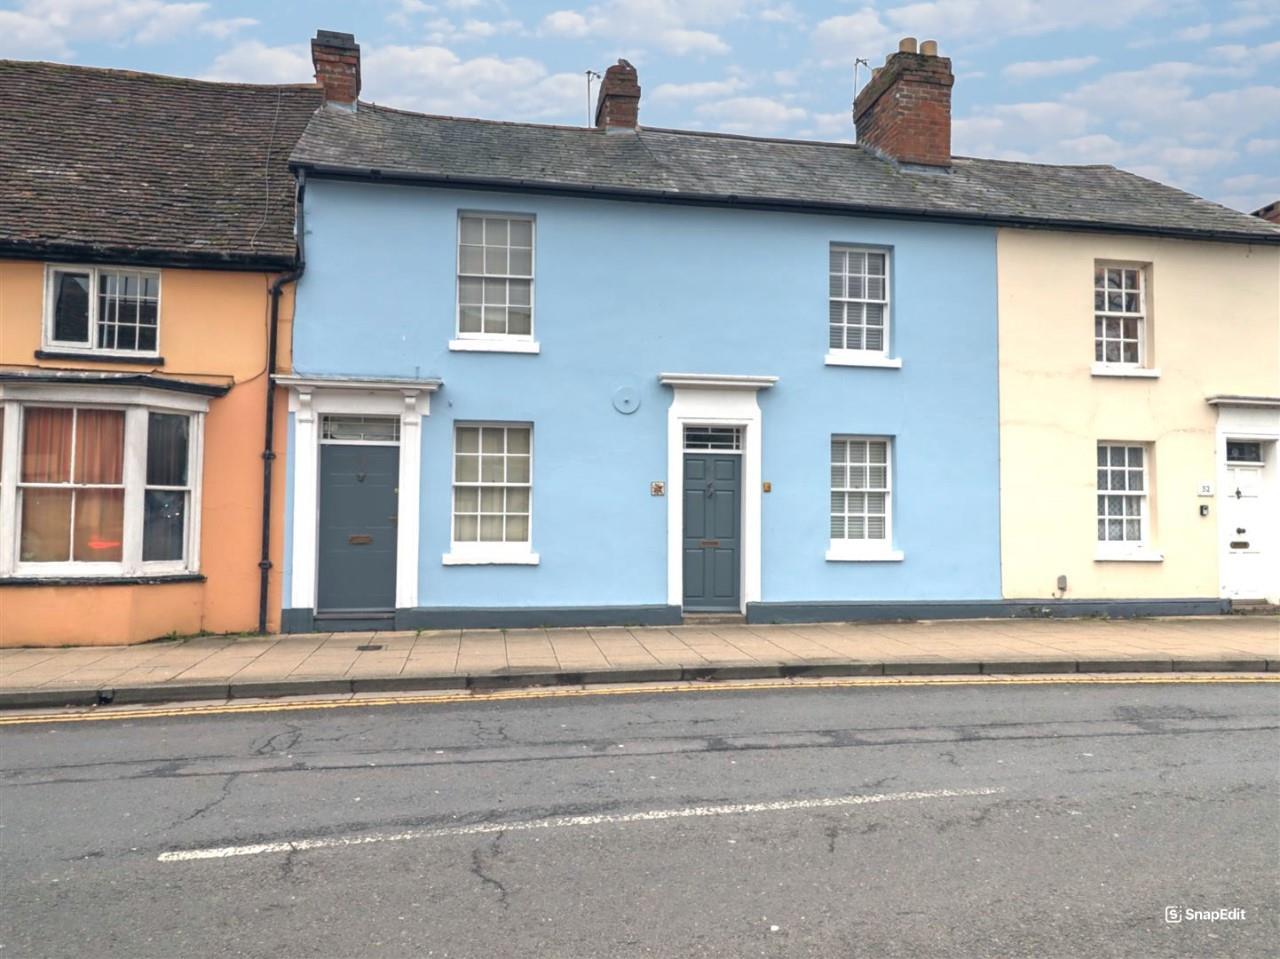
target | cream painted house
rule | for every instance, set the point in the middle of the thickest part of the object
(1139, 416)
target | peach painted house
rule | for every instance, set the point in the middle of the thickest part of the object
(147, 255)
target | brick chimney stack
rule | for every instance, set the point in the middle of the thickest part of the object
(618, 107)
(904, 111)
(337, 61)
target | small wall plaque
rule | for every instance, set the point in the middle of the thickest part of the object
(658, 488)
(1206, 489)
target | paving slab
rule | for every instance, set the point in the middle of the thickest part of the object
(335, 663)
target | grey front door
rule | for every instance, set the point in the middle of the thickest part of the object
(357, 542)
(712, 531)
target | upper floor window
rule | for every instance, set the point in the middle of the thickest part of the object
(1119, 315)
(858, 290)
(102, 310)
(495, 277)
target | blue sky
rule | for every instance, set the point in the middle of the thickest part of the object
(1184, 91)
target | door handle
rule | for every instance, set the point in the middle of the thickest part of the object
(1240, 529)
(710, 488)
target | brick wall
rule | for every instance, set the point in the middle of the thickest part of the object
(905, 111)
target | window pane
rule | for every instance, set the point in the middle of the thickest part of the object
(519, 321)
(517, 499)
(495, 319)
(167, 449)
(492, 439)
(468, 439)
(472, 230)
(471, 259)
(495, 260)
(467, 469)
(518, 440)
(491, 469)
(517, 529)
(517, 469)
(491, 529)
(99, 446)
(471, 291)
(522, 233)
(495, 232)
(164, 525)
(491, 500)
(466, 529)
(99, 525)
(521, 263)
(71, 307)
(46, 526)
(518, 291)
(469, 319)
(46, 445)
(466, 500)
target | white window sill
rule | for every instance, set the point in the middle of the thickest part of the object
(494, 346)
(1132, 372)
(849, 553)
(490, 554)
(1134, 555)
(82, 350)
(860, 358)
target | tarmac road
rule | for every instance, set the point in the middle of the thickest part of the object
(1010, 820)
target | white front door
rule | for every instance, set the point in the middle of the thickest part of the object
(1244, 508)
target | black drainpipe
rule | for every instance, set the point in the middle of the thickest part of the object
(268, 443)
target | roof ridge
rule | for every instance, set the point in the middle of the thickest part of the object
(485, 120)
(143, 74)
(1041, 163)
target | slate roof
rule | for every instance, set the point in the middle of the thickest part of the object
(114, 164)
(703, 167)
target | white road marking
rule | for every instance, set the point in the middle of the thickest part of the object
(561, 822)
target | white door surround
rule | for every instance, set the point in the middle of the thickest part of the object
(1252, 573)
(309, 398)
(712, 399)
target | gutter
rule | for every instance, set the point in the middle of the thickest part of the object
(62, 252)
(268, 442)
(776, 204)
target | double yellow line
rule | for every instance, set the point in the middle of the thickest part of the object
(568, 692)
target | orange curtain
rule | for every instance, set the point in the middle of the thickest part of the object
(99, 446)
(46, 445)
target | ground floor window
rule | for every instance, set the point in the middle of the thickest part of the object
(860, 485)
(1122, 494)
(492, 483)
(97, 489)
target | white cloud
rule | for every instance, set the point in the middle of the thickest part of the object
(681, 42)
(53, 27)
(990, 19)
(838, 40)
(702, 90)
(254, 62)
(1034, 69)
(1260, 146)
(225, 28)
(782, 13)
(565, 23)
(677, 27)
(759, 116)
(442, 30)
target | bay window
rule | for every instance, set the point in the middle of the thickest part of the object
(98, 489)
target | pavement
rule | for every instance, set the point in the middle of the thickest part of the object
(227, 667)
(1021, 817)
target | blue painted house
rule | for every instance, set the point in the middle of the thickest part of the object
(618, 375)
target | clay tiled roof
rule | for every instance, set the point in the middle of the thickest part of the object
(685, 166)
(114, 164)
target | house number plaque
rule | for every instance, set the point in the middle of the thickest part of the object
(657, 488)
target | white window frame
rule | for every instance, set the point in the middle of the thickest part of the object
(136, 403)
(1122, 368)
(1127, 550)
(488, 553)
(481, 342)
(864, 357)
(91, 348)
(845, 550)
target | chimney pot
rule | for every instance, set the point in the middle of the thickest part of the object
(618, 107)
(336, 57)
(904, 111)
